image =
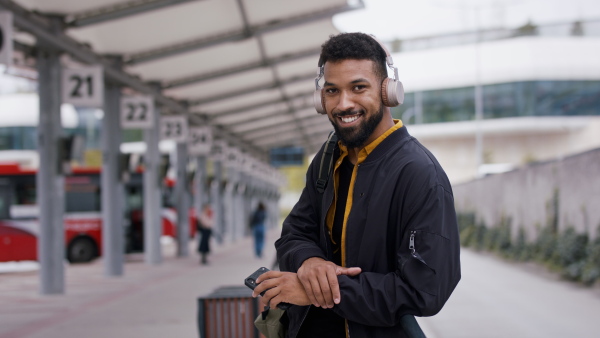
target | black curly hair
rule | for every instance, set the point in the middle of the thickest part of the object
(354, 46)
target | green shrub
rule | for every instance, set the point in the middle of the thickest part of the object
(479, 237)
(571, 254)
(545, 245)
(521, 250)
(570, 248)
(591, 269)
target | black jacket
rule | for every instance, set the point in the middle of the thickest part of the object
(400, 192)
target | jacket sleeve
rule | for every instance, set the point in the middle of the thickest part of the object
(422, 281)
(300, 233)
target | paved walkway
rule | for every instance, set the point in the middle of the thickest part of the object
(147, 301)
(494, 298)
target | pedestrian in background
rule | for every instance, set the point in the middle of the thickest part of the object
(257, 224)
(204, 225)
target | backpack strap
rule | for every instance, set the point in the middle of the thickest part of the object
(326, 162)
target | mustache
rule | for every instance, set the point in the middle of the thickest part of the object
(348, 113)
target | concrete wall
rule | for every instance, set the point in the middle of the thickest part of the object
(510, 141)
(526, 195)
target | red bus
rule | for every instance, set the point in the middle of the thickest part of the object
(19, 224)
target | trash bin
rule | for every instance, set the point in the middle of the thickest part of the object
(228, 312)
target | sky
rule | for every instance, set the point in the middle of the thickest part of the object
(391, 19)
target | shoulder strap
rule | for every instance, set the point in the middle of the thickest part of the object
(326, 162)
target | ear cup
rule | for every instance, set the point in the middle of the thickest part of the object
(392, 92)
(319, 101)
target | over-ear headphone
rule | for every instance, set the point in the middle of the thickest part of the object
(392, 91)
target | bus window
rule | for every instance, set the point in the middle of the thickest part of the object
(4, 200)
(82, 194)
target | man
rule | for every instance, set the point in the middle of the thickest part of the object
(384, 243)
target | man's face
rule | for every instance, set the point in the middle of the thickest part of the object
(353, 101)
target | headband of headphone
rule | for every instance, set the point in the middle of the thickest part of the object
(392, 91)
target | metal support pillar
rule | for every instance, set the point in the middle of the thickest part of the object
(244, 203)
(182, 203)
(217, 201)
(112, 189)
(200, 193)
(238, 212)
(152, 195)
(230, 212)
(50, 181)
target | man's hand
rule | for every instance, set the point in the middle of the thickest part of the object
(282, 287)
(319, 279)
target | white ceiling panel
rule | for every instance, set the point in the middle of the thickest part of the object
(232, 83)
(304, 87)
(304, 113)
(263, 123)
(168, 26)
(317, 120)
(241, 101)
(298, 67)
(253, 114)
(66, 6)
(247, 66)
(252, 136)
(306, 36)
(260, 11)
(199, 62)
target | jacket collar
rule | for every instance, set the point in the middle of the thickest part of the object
(378, 144)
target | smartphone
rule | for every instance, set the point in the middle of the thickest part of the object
(250, 282)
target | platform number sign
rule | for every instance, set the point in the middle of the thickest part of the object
(6, 32)
(174, 128)
(83, 87)
(200, 141)
(137, 112)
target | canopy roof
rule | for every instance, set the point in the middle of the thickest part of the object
(245, 67)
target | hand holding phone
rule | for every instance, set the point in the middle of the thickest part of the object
(250, 282)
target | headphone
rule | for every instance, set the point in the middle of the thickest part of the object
(392, 91)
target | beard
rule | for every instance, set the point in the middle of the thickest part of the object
(356, 136)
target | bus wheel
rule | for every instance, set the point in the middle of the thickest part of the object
(81, 250)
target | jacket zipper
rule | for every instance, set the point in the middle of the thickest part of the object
(411, 242)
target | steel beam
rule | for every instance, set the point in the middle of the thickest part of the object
(243, 68)
(279, 131)
(121, 10)
(253, 136)
(238, 35)
(258, 105)
(241, 118)
(253, 89)
(40, 27)
(279, 137)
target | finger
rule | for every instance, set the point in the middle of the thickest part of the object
(334, 287)
(268, 275)
(315, 293)
(265, 285)
(275, 301)
(306, 284)
(322, 290)
(270, 294)
(325, 281)
(348, 271)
